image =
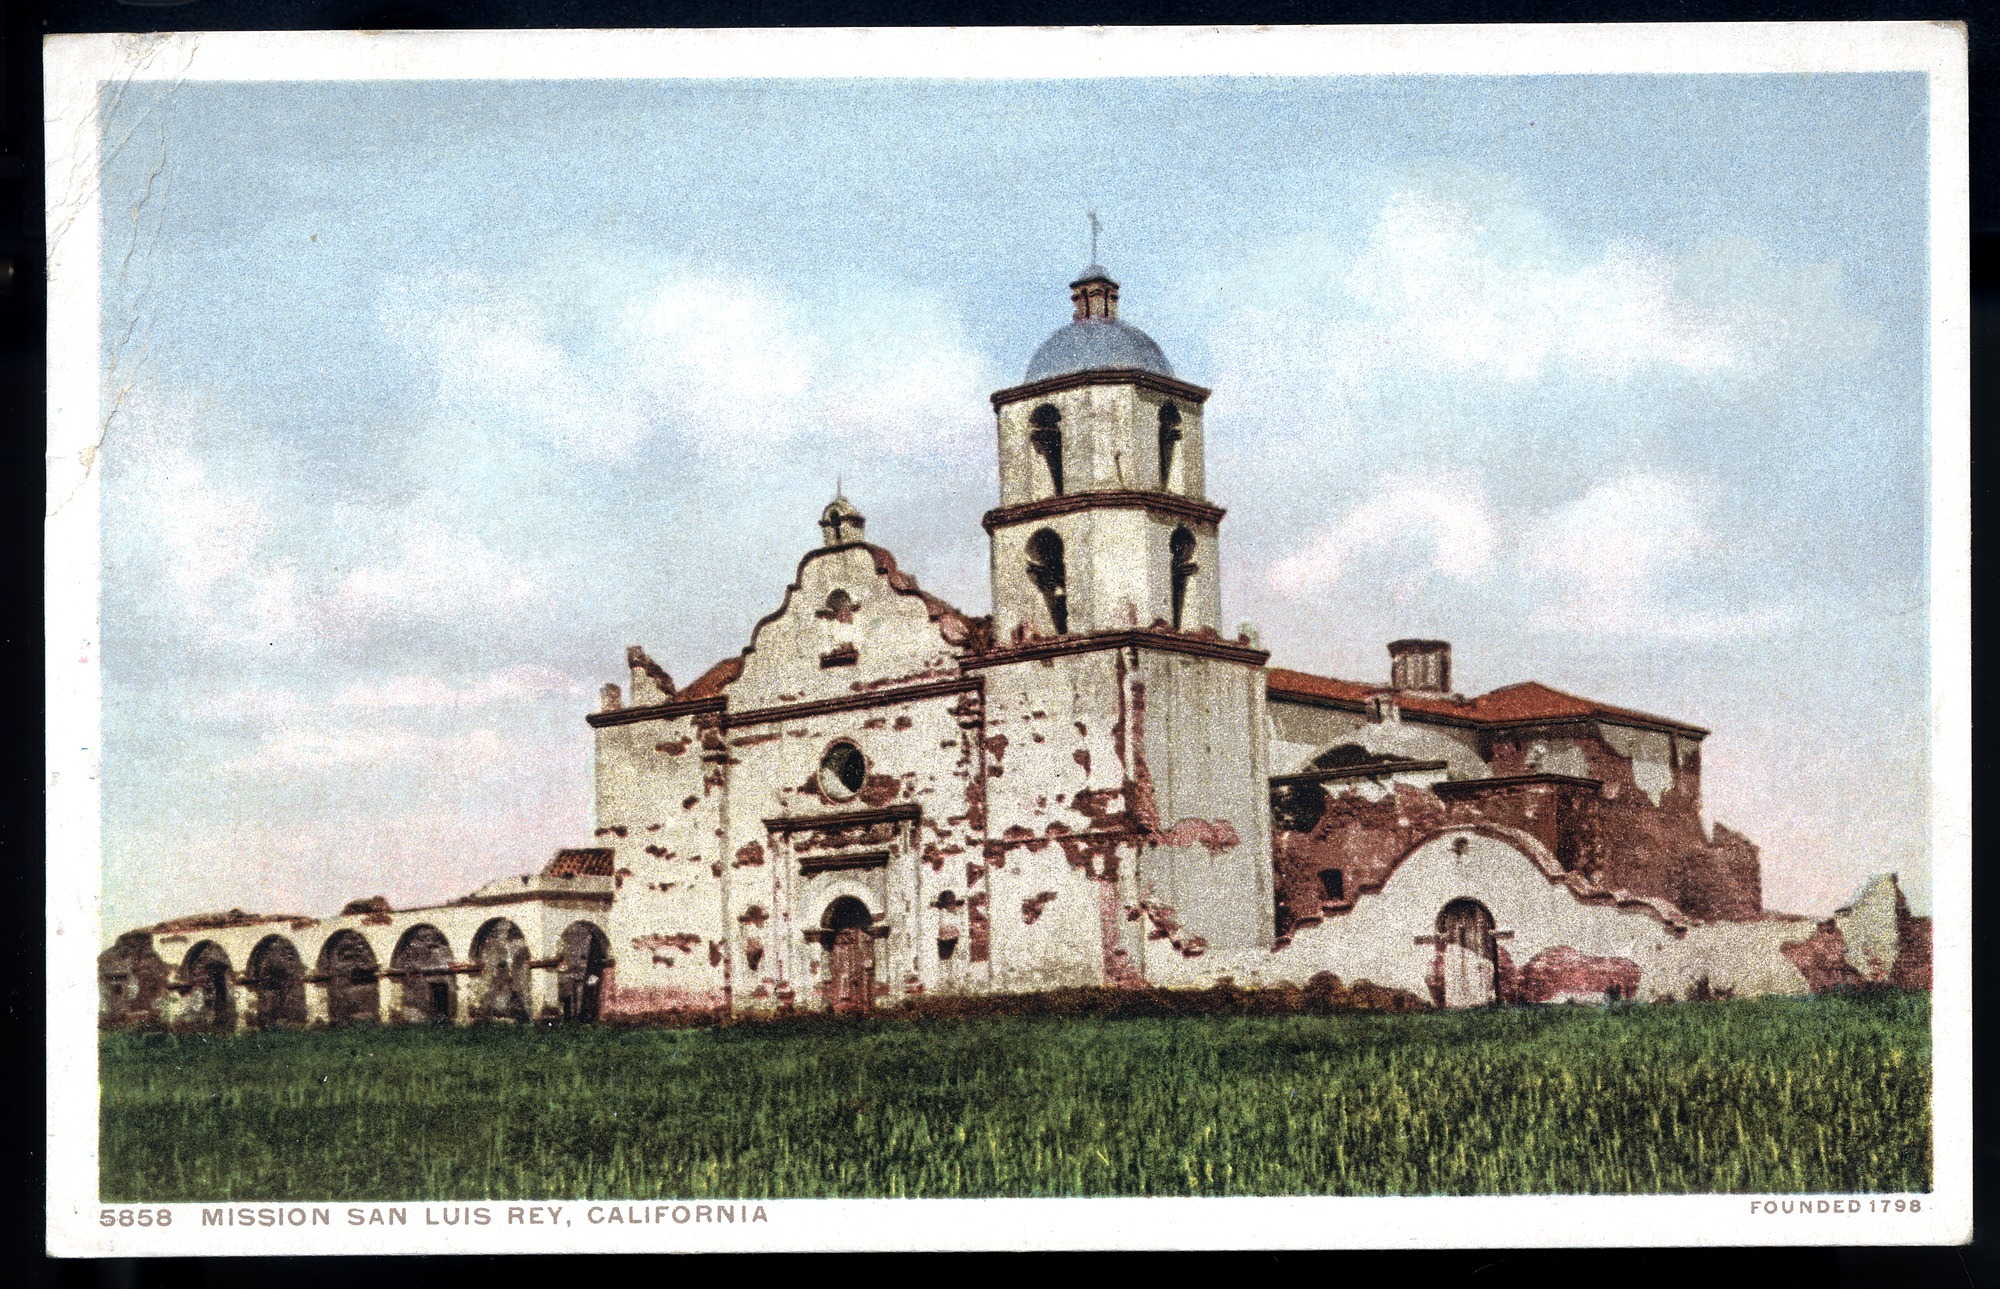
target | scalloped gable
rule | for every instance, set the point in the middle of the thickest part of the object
(852, 621)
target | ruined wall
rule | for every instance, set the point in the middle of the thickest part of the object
(1388, 937)
(1643, 832)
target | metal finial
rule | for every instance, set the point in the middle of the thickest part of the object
(1094, 229)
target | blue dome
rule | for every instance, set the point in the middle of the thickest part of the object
(1092, 344)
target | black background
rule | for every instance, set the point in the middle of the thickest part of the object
(22, 368)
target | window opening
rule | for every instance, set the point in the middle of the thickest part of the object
(842, 770)
(1045, 565)
(1170, 437)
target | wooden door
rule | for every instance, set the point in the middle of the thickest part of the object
(1470, 954)
(851, 971)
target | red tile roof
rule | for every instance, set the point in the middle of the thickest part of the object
(581, 861)
(1510, 704)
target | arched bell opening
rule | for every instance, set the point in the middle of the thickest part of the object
(1051, 576)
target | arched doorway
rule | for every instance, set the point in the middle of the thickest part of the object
(580, 988)
(278, 983)
(211, 1003)
(502, 954)
(422, 963)
(1470, 955)
(850, 956)
(353, 980)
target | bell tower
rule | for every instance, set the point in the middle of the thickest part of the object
(1102, 523)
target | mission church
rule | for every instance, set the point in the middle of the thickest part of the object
(885, 797)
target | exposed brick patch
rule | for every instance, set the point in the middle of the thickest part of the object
(1031, 908)
(1564, 972)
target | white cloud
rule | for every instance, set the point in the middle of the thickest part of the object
(1634, 556)
(306, 748)
(1621, 559)
(512, 684)
(1439, 525)
(206, 544)
(1486, 290)
(407, 691)
(1460, 277)
(432, 571)
(723, 362)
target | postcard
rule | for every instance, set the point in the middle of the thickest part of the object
(651, 646)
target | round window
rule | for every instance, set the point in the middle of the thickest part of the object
(842, 770)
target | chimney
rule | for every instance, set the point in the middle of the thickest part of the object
(1095, 296)
(1421, 666)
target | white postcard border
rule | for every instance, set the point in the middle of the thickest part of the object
(76, 66)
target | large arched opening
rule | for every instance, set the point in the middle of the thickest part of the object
(277, 983)
(586, 952)
(211, 1003)
(422, 966)
(850, 955)
(1470, 954)
(502, 954)
(353, 980)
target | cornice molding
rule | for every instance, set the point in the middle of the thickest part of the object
(844, 818)
(655, 712)
(853, 702)
(1162, 641)
(1165, 503)
(1104, 376)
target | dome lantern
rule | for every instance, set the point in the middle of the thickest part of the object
(1096, 339)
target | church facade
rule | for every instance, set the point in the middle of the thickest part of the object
(884, 797)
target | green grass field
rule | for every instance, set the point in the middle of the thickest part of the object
(1773, 1095)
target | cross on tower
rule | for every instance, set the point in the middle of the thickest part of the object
(1094, 229)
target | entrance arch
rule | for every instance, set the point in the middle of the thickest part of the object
(850, 982)
(1469, 954)
(278, 983)
(586, 950)
(353, 980)
(422, 963)
(206, 971)
(502, 954)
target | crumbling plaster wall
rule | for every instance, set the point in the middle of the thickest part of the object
(1645, 828)
(1063, 835)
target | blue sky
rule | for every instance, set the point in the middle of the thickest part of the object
(425, 399)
